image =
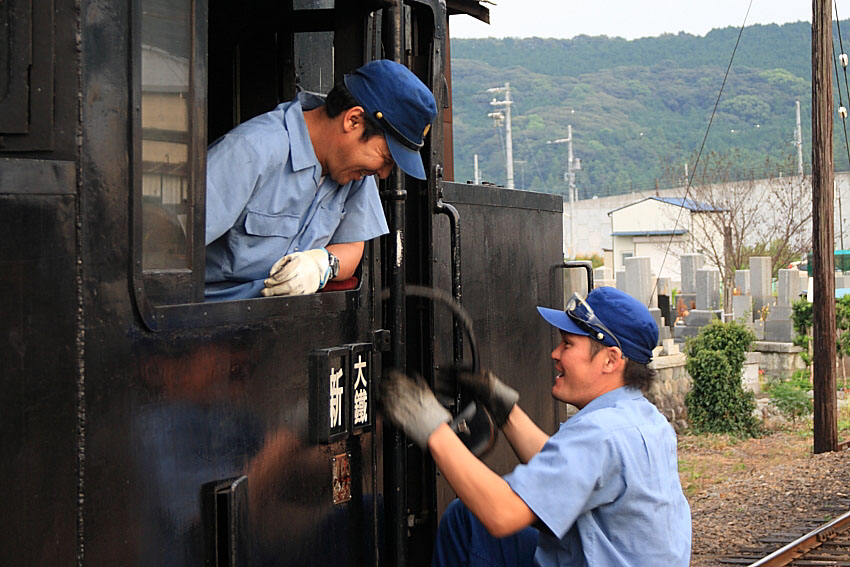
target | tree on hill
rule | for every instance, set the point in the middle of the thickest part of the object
(631, 102)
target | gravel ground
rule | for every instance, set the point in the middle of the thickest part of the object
(770, 486)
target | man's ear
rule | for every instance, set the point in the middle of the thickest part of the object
(614, 358)
(352, 119)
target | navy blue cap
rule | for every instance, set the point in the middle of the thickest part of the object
(626, 317)
(403, 106)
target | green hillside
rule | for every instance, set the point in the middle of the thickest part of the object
(639, 109)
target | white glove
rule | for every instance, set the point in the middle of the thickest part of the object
(410, 405)
(298, 274)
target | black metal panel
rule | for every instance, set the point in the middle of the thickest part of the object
(27, 97)
(38, 380)
(37, 177)
(189, 411)
(511, 241)
(219, 391)
(15, 59)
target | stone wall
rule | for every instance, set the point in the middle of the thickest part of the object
(778, 360)
(672, 382)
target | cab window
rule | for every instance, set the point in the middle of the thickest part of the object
(202, 68)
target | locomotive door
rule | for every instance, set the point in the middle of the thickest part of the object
(511, 254)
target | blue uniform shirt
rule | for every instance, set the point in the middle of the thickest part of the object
(266, 198)
(606, 486)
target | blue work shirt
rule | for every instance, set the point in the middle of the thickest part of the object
(606, 486)
(266, 198)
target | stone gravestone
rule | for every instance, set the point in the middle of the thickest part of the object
(707, 303)
(640, 284)
(708, 289)
(639, 280)
(804, 281)
(620, 280)
(788, 288)
(760, 281)
(663, 286)
(779, 327)
(690, 264)
(603, 276)
(742, 309)
(742, 282)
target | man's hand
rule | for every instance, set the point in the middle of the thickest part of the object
(410, 405)
(298, 274)
(484, 386)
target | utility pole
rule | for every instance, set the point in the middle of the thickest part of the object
(823, 307)
(798, 141)
(506, 115)
(573, 165)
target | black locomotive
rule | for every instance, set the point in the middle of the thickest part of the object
(143, 426)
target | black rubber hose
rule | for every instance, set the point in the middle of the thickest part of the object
(461, 315)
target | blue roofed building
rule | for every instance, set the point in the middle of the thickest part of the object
(663, 228)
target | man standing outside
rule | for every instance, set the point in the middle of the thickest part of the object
(291, 194)
(603, 490)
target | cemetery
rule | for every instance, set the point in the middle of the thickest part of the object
(682, 308)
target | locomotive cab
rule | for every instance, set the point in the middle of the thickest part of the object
(142, 425)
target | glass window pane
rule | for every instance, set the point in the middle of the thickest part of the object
(166, 179)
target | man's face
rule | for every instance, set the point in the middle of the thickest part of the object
(579, 378)
(357, 158)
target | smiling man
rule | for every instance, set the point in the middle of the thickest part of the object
(603, 490)
(291, 194)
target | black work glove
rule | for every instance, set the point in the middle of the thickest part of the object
(484, 386)
(411, 406)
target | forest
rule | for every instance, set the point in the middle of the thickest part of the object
(639, 109)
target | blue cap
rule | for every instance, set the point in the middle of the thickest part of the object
(403, 106)
(626, 317)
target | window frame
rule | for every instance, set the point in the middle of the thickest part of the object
(174, 298)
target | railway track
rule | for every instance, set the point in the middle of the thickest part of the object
(827, 545)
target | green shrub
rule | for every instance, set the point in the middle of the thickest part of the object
(801, 379)
(801, 315)
(791, 398)
(717, 402)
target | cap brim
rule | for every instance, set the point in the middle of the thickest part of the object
(561, 320)
(408, 160)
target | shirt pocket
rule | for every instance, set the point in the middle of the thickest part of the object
(264, 224)
(322, 227)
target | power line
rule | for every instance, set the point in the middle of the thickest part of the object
(702, 146)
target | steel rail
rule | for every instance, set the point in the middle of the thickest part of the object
(788, 553)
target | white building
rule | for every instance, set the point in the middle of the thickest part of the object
(593, 225)
(663, 228)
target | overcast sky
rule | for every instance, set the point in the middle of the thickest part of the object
(629, 18)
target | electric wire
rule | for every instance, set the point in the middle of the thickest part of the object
(841, 103)
(838, 83)
(841, 46)
(699, 153)
(843, 115)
